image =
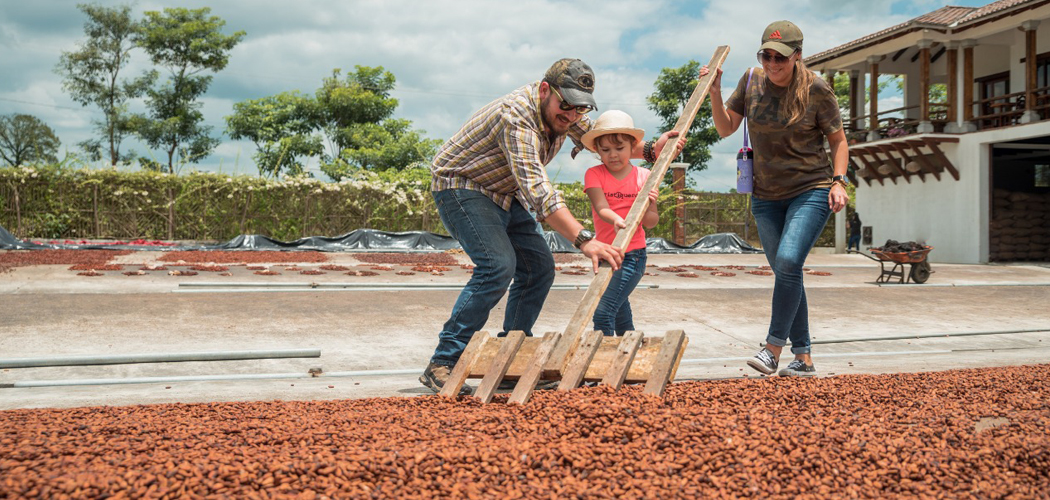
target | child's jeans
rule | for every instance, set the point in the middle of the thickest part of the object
(614, 310)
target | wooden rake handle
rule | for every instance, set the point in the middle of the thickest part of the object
(581, 319)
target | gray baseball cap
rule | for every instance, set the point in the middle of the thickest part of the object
(574, 80)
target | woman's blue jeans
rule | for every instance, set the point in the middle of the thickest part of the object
(508, 249)
(788, 230)
(614, 309)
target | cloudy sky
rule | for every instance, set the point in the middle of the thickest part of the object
(449, 57)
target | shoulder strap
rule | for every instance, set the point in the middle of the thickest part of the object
(746, 88)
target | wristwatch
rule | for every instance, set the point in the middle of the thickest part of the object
(841, 179)
(583, 237)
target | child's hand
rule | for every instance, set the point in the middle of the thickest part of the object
(619, 224)
(653, 196)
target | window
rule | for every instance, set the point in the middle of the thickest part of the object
(992, 109)
(1042, 176)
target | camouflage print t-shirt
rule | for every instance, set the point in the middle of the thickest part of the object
(788, 160)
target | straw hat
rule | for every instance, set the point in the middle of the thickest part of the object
(612, 122)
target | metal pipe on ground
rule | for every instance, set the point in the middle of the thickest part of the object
(121, 359)
(410, 371)
(929, 336)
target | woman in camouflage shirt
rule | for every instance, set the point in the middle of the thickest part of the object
(790, 112)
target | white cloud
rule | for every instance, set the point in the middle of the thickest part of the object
(449, 57)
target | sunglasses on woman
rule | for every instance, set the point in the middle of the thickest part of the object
(564, 106)
(766, 57)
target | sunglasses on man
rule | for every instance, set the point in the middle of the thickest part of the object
(564, 106)
(766, 57)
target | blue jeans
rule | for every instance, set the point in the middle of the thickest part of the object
(788, 230)
(505, 246)
(614, 309)
(854, 240)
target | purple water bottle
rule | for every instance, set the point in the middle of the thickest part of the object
(744, 159)
(744, 173)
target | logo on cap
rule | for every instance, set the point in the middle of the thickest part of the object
(775, 35)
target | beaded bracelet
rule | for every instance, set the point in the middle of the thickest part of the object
(647, 152)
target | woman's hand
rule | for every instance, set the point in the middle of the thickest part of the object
(716, 85)
(837, 198)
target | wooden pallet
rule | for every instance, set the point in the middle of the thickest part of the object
(611, 361)
(579, 353)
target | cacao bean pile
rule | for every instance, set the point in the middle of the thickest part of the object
(976, 433)
(86, 258)
(238, 257)
(408, 259)
(894, 246)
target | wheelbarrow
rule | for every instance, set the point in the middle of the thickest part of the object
(920, 267)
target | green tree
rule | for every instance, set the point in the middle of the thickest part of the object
(355, 116)
(382, 146)
(186, 43)
(91, 76)
(281, 127)
(674, 86)
(25, 139)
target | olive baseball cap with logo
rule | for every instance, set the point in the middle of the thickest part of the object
(574, 80)
(783, 37)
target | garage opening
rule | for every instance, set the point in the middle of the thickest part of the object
(1019, 230)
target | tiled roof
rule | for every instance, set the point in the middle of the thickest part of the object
(944, 17)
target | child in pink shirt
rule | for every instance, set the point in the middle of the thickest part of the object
(612, 187)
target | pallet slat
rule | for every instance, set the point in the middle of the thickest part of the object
(581, 360)
(466, 360)
(527, 382)
(494, 375)
(666, 362)
(622, 362)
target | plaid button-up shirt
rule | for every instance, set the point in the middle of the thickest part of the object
(502, 152)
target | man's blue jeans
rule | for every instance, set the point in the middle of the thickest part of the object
(614, 309)
(505, 246)
(788, 230)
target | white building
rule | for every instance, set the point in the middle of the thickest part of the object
(970, 173)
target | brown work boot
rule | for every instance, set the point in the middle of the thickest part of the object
(436, 375)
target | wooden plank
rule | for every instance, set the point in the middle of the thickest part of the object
(575, 369)
(581, 319)
(888, 149)
(462, 369)
(871, 168)
(527, 382)
(624, 356)
(666, 363)
(923, 159)
(894, 166)
(932, 144)
(498, 368)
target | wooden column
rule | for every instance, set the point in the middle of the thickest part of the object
(873, 98)
(967, 82)
(924, 122)
(953, 81)
(678, 184)
(1030, 115)
(854, 78)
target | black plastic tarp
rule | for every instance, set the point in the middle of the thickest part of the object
(381, 241)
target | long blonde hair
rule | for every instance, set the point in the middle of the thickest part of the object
(798, 92)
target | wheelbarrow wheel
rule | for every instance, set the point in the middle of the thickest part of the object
(920, 272)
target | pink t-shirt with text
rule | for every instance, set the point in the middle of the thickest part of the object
(620, 195)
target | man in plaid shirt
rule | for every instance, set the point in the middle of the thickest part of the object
(487, 181)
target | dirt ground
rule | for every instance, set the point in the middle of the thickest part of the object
(376, 333)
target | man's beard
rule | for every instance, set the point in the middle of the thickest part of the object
(552, 122)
